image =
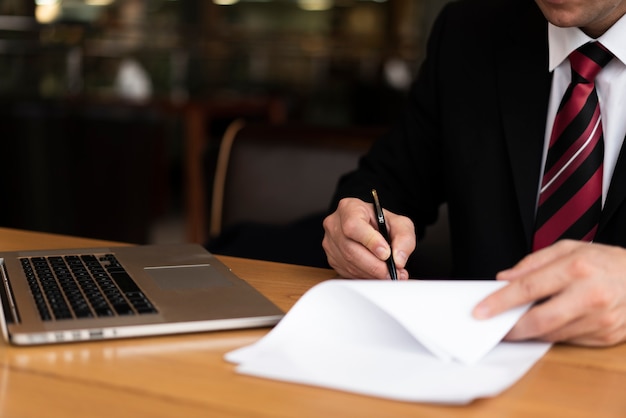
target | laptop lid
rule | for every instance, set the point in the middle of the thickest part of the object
(180, 288)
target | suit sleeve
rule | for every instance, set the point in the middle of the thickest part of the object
(405, 165)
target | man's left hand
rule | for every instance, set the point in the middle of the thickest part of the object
(580, 294)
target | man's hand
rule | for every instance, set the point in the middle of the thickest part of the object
(581, 290)
(355, 248)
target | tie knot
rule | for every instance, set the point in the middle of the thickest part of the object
(588, 60)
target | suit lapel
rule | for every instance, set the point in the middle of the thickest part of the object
(524, 88)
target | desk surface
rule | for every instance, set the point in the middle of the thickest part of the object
(186, 376)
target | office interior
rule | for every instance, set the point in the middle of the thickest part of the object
(96, 96)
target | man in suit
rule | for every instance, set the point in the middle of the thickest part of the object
(475, 136)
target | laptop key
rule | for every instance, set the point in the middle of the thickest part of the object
(123, 309)
(104, 311)
(125, 283)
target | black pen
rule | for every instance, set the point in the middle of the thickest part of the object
(382, 228)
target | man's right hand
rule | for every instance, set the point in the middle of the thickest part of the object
(355, 248)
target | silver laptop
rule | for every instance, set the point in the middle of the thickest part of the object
(57, 296)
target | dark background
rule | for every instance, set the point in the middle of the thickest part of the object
(80, 156)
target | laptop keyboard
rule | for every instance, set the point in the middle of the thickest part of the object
(83, 286)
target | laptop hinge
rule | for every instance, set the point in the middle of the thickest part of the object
(6, 295)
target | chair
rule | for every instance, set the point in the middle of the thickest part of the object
(199, 118)
(273, 185)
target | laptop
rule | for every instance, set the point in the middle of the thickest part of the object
(58, 296)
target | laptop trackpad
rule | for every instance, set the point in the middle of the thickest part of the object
(187, 277)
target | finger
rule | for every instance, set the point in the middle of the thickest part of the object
(368, 237)
(356, 222)
(540, 275)
(541, 283)
(593, 331)
(360, 263)
(545, 319)
(404, 241)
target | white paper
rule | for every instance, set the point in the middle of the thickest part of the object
(411, 341)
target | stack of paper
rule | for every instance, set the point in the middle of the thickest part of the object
(412, 341)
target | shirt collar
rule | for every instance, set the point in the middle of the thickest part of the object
(562, 41)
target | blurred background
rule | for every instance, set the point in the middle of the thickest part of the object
(109, 107)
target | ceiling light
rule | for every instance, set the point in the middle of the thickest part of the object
(47, 13)
(315, 5)
(98, 2)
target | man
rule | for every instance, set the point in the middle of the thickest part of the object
(475, 136)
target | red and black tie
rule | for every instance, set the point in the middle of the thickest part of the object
(570, 199)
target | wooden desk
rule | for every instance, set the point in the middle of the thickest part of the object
(186, 376)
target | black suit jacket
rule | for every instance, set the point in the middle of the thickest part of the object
(472, 136)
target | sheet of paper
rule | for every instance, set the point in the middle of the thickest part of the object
(412, 341)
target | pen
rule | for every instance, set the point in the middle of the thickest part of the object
(382, 228)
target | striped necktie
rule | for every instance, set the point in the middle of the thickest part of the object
(570, 199)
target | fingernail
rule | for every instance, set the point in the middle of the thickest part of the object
(382, 252)
(481, 312)
(400, 258)
(503, 274)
